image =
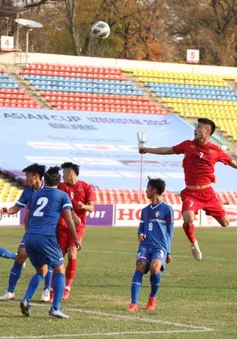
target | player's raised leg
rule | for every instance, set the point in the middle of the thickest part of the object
(189, 228)
(4, 253)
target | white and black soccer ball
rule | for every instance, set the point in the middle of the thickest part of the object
(100, 29)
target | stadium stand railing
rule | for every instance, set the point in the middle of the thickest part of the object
(11, 95)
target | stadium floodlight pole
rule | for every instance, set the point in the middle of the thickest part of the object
(141, 137)
(29, 25)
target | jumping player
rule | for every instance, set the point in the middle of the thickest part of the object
(200, 157)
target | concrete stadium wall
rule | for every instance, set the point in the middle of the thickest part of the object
(15, 58)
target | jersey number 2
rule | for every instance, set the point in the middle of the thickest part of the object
(41, 202)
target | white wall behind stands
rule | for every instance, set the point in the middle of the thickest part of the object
(16, 57)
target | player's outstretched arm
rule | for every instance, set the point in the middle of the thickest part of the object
(157, 150)
(12, 210)
(68, 217)
(233, 164)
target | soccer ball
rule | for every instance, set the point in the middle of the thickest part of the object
(100, 29)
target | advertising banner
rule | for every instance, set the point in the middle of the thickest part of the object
(129, 215)
(9, 220)
(231, 210)
(102, 216)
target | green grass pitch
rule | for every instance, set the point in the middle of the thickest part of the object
(196, 299)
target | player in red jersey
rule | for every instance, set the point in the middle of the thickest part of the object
(200, 157)
(82, 197)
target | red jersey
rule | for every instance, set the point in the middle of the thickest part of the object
(82, 192)
(199, 161)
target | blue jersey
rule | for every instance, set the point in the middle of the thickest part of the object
(157, 223)
(46, 206)
(25, 196)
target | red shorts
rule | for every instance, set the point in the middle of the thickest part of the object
(202, 199)
(65, 238)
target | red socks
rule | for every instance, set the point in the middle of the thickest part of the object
(70, 271)
(189, 231)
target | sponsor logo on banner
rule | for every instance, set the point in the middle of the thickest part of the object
(50, 145)
(129, 148)
(99, 174)
(98, 148)
(102, 216)
(129, 215)
(138, 163)
(9, 220)
(231, 211)
(97, 161)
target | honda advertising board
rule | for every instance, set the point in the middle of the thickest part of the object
(129, 215)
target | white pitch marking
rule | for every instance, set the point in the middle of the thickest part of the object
(100, 334)
(127, 317)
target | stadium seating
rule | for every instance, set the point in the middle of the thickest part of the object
(12, 96)
(195, 95)
(133, 196)
(8, 192)
(102, 89)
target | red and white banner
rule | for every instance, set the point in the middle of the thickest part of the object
(129, 215)
(231, 211)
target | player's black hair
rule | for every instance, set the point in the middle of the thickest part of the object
(52, 177)
(208, 122)
(35, 169)
(74, 167)
(158, 184)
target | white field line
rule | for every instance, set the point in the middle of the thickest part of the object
(189, 328)
(127, 317)
(174, 256)
(101, 334)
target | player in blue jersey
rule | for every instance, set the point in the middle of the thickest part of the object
(43, 212)
(34, 174)
(155, 236)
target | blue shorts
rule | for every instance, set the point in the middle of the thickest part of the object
(22, 243)
(147, 254)
(43, 249)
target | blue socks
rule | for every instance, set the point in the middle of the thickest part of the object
(136, 286)
(14, 276)
(155, 284)
(4, 253)
(58, 287)
(48, 279)
(33, 286)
